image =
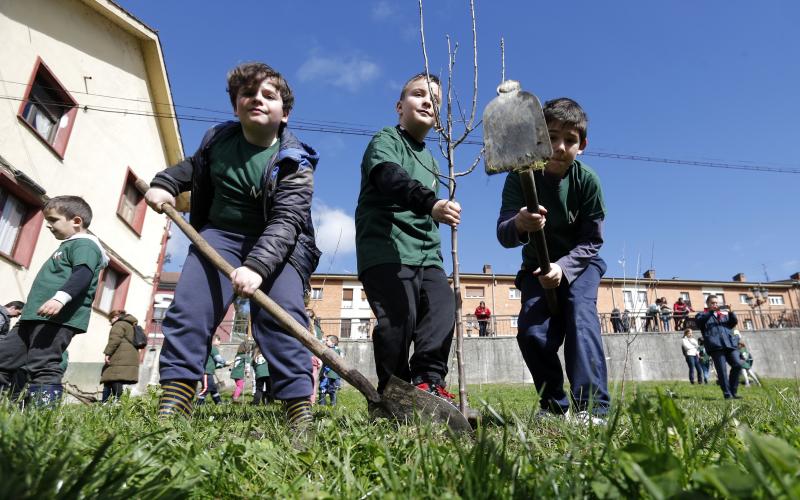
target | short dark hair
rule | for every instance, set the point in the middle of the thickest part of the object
(117, 312)
(434, 79)
(71, 206)
(711, 296)
(15, 303)
(568, 112)
(250, 75)
(334, 339)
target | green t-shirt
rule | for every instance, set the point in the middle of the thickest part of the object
(211, 365)
(387, 233)
(237, 170)
(239, 363)
(261, 366)
(576, 198)
(52, 276)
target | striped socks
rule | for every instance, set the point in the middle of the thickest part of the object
(176, 398)
(298, 412)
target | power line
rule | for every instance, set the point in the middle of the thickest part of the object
(331, 128)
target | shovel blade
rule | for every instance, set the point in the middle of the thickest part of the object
(402, 401)
(514, 130)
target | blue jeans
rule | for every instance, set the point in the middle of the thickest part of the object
(694, 365)
(577, 327)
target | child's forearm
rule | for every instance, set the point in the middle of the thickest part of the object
(590, 240)
(507, 233)
(290, 212)
(78, 283)
(393, 182)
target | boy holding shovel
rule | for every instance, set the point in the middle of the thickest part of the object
(575, 211)
(251, 183)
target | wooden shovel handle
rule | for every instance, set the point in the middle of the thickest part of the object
(539, 243)
(292, 327)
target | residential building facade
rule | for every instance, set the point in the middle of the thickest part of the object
(86, 110)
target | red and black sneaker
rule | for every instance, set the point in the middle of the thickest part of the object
(436, 390)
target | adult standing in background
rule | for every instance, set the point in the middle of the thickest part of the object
(121, 356)
(10, 310)
(680, 310)
(482, 314)
(689, 346)
(716, 324)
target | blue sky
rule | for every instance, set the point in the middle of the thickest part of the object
(712, 81)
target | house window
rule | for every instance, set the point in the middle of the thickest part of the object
(743, 298)
(685, 296)
(776, 300)
(748, 324)
(20, 222)
(344, 331)
(474, 292)
(132, 207)
(640, 301)
(316, 294)
(514, 293)
(347, 298)
(48, 109)
(112, 288)
(514, 321)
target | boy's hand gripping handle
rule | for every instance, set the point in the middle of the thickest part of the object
(293, 328)
(539, 243)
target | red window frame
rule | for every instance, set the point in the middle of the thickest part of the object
(31, 224)
(137, 223)
(120, 291)
(46, 78)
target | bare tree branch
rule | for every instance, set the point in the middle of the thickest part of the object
(503, 59)
(474, 164)
(437, 118)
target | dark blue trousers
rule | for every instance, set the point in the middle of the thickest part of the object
(202, 297)
(577, 327)
(729, 384)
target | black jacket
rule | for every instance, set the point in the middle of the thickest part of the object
(288, 184)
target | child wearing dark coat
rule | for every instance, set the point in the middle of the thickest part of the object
(252, 183)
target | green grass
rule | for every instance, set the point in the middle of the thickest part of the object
(665, 440)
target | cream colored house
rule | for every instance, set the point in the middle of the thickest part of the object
(85, 109)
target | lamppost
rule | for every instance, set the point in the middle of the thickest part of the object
(760, 296)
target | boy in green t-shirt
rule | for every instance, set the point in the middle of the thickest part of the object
(398, 245)
(252, 182)
(59, 302)
(574, 212)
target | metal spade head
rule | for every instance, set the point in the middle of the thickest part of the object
(515, 134)
(402, 401)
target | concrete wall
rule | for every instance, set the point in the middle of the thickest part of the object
(498, 360)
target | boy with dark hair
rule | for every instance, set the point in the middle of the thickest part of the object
(10, 310)
(575, 212)
(59, 304)
(398, 244)
(251, 183)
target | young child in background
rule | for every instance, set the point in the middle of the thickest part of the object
(214, 361)
(59, 303)
(262, 385)
(330, 381)
(240, 369)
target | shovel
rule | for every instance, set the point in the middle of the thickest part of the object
(400, 400)
(515, 139)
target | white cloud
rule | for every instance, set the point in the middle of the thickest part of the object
(382, 10)
(334, 228)
(347, 72)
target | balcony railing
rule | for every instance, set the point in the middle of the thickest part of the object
(504, 326)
